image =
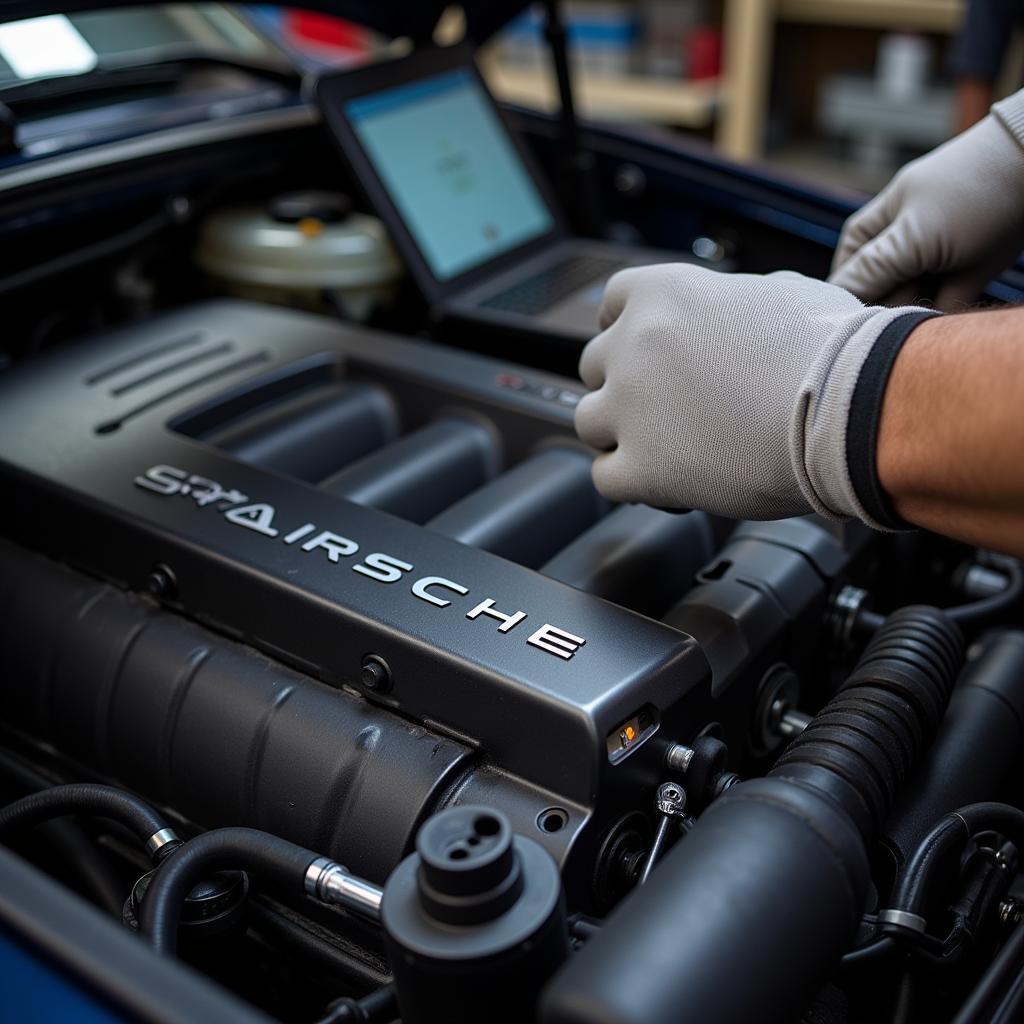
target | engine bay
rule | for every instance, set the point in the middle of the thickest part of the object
(367, 706)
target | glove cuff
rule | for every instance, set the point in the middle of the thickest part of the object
(865, 417)
(842, 408)
(1010, 113)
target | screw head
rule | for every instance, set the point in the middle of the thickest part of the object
(161, 582)
(375, 674)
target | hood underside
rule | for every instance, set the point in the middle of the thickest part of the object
(413, 18)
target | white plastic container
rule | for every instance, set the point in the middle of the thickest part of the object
(303, 249)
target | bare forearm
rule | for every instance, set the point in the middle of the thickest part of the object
(951, 437)
(974, 96)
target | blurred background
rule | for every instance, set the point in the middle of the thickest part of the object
(838, 92)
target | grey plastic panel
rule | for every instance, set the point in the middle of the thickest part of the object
(315, 433)
(529, 512)
(424, 472)
(637, 556)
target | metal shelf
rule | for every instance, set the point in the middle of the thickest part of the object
(923, 15)
(749, 29)
(736, 104)
(660, 100)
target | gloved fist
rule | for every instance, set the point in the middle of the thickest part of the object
(957, 212)
(726, 392)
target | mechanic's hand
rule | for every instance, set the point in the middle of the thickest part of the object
(726, 392)
(957, 212)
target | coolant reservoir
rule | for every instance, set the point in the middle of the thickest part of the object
(304, 249)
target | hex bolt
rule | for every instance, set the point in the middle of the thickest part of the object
(375, 674)
(679, 756)
(161, 582)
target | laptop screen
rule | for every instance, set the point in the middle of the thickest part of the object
(449, 167)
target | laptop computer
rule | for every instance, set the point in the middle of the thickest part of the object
(469, 212)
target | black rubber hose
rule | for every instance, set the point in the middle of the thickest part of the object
(973, 612)
(378, 1007)
(83, 798)
(222, 849)
(976, 748)
(76, 849)
(952, 833)
(861, 746)
(905, 998)
(770, 885)
(872, 952)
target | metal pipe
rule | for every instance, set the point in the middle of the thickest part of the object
(330, 883)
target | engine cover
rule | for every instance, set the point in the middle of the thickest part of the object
(109, 463)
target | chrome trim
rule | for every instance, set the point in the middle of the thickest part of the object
(158, 840)
(314, 873)
(330, 883)
(903, 919)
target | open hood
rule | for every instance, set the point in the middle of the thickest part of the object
(413, 18)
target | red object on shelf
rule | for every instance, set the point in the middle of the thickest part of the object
(703, 49)
(323, 30)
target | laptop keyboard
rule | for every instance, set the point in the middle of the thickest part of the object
(539, 293)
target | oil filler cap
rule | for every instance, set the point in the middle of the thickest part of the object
(476, 911)
(469, 871)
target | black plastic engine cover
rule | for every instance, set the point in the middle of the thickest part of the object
(97, 473)
(212, 728)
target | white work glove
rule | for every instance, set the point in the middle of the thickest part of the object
(957, 213)
(727, 392)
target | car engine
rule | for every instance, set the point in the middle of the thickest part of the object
(368, 706)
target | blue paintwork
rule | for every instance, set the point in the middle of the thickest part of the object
(34, 992)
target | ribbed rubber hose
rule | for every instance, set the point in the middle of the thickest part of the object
(222, 849)
(863, 744)
(770, 884)
(83, 798)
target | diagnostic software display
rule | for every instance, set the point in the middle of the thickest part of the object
(449, 167)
